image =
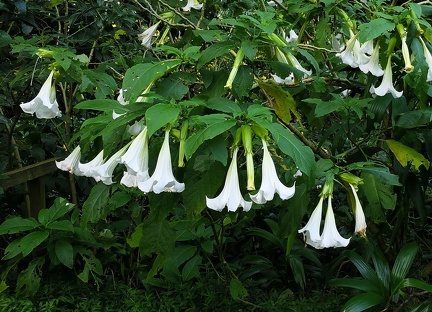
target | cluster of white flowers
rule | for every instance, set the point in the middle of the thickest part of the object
(330, 237)
(231, 196)
(135, 157)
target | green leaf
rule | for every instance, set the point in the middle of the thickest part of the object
(191, 268)
(159, 115)
(104, 105)
(97, 82)
(181, 254)
(404, 261)
(223, 105)
(324, 108)
(158, 237)
(363, 302)
(64, 252)
(29, 279)
(243, 81)
(302, 155)
(237, 289)
(26, 244)
(415, 118)
(136, 236)
(214, 51)
(17, 225)
(283, 104)
(374, 29)
(63, 225)
(380, 197)
(405, 154)
(382, 173)
(413, 282)
(267, 236)
(216, 124)
(359, 284)
(60, 207)
(249, 49)
(95, 203)
(172, 88)
(139, 77)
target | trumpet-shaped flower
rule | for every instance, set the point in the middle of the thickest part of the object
(136, 161)
(387, 83)
(290, 59)
(137, 127)
(360, 220)
(104, 172)
(44, 105)
(292, 36)
(312, 228)
(330, 236)
(163, 179)
(230, 196)
(71, 162)
(354, 55)
(289, 79)
(86, 168)
(192, 4)
(147, 35)
(270, 183)
(428, 58)
(373, 66)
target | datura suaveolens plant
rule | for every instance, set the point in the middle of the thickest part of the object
(44, 105)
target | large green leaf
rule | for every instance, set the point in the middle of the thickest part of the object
(159, 115)
(380, 197)
(237, 289)
(102, 84)
(404, 261)
(157, 237)
(382, 173)
(93, 207)
(17, 225)
(359, 284)
(191, 268)
(64, 252)
(26, 244)
(105, 105)
(374, 29)
(363, 302)
(139, 77)
(214, 51)
(405, 154)
(415, 118)
(216, 124)
(243, 81)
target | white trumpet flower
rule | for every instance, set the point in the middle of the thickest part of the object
(270, 183)
(288, 80)
(147, 35)
(230, 196)
(192, 4)
(330, 236)
(70, 163)
(354, 55)
(373, 66)
(136, 161)
(44, 105)
(163, 179)
(312, 229)
(387, 83)
(360, 220)
(428, 58)
(104, 172)
(85, 169)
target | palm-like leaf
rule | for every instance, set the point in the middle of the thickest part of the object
(362, 302)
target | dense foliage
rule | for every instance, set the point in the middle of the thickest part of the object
(174, 123)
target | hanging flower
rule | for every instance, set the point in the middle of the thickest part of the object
(230, 196)
(354, 54)
(136, 161)
(288, 58)
(428, 58)
(70, 163)
(192, 4)
(85, 169)
(373, 66)
(44, 105)
(137, 127)
(330, 236)
(360, 220)
(288, 80)
(147, 35)
(270, 183)
(104, 171)
(292, 36)
(387, 83)
(312, 228)
(163, 179)
(405, 51)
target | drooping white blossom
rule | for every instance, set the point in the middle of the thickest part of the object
(428, 58)
(44, 105)
(70, 163)
(330, 236)
(230, 196)
(136, 161)
(162, 179)
(84, 169)
(292, 36)
(312, 229)
(360, 220)
(192, 4)
(147, 35)
(353, 55)
(387, 83)
(288, 80)
(270, 183)
(373, 66)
